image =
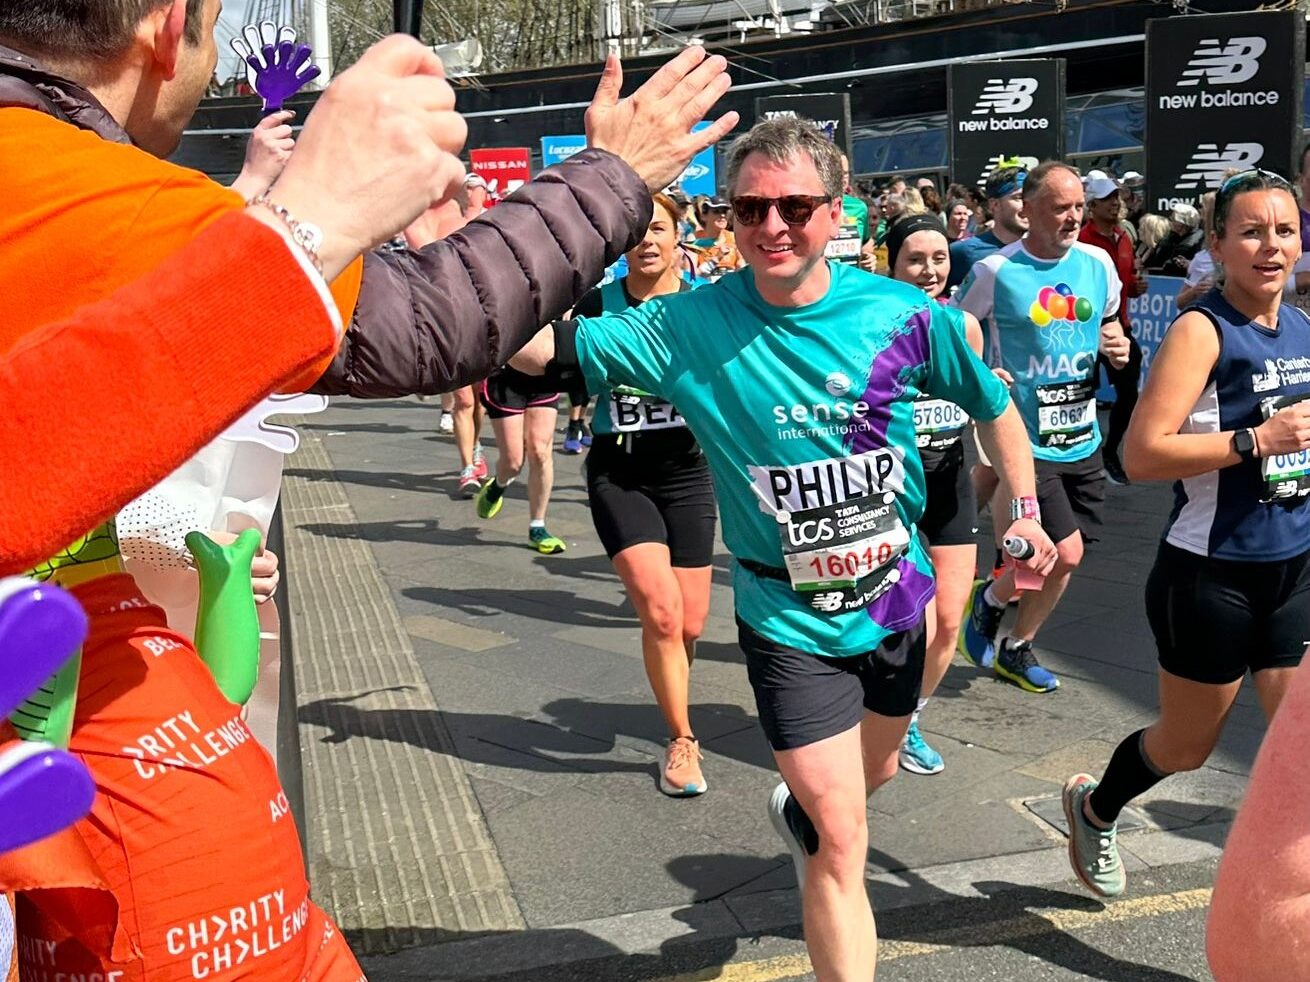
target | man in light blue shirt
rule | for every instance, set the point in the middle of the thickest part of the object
(1048, 305)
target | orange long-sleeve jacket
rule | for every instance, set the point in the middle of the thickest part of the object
(102, 403)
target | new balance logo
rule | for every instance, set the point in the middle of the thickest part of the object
(1268, 381)
(1014, 95)
(1229, 64)
(1207, 166)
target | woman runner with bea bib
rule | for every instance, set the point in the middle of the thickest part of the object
(918, 252)
(1225, 415)
(653, 504)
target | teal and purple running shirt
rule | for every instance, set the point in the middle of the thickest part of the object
(806, 417)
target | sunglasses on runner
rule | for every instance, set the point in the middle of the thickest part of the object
(794, 209)
(1254, 172)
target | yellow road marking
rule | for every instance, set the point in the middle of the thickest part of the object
(989, 934)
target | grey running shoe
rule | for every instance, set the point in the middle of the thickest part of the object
(1093, 853)
(794, 826)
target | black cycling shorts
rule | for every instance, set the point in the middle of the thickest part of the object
(1071, 497)
(510, 393)
(803, 698)
(1215, 619)
(950, 515)
(649, 494)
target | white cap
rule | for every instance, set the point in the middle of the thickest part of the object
(1093, 175)
(1185, 214)
(1133, 177)
(1101, 187)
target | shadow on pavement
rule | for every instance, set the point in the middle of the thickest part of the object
(359, 428)
(598, 568)
(582, 737)
(1187, 818)
(444, 483)
(427, 531)
(556, 606)
(574, 954)
(1004, 916)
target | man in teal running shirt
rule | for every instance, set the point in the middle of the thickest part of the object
(1049, 304)
(797, 376)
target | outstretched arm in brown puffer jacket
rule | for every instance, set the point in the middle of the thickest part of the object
(433, 319)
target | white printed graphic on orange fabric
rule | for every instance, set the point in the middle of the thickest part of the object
(179, 743)
(219, 943)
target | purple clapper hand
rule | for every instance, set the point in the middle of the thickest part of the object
(42, 789)
(276, 65)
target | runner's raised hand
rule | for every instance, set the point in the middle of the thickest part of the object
(652, 128)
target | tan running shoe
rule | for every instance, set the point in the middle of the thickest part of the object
(681, 774)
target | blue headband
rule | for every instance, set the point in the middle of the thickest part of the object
(1009, 187)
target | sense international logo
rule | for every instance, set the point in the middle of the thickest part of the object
(1057, 303)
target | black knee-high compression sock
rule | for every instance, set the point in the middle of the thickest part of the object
(1129, 774)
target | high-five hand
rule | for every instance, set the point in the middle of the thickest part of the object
(652, 128)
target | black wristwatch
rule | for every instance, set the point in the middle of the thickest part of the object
(1244, 443)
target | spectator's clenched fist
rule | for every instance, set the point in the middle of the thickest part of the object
(379, 148)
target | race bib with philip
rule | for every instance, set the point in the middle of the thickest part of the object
(844, 556)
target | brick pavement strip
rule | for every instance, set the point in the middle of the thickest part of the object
(399, 850)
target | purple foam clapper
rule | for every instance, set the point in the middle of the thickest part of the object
(42, 790)
(280, 72)
(41, 627)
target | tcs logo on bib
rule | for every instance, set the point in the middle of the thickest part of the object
(1058, 303)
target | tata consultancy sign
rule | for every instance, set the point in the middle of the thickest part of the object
(829, 111)
(1002, 109)
(1223, 92)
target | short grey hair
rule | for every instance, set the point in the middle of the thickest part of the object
(1039, 176)
(781, 140)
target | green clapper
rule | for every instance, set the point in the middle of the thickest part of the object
(48, 713)
(227, 625)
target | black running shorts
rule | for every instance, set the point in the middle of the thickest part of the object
(1072, 497)
(1216, 619)
(950, 517)
(659, 491)
(804, 698)
(510, 393)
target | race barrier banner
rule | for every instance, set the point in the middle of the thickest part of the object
(557, 148)
(1150, 314)
(1003, 109)
(1223, 91)
(699, 176)
(830, 111)
(505, 169)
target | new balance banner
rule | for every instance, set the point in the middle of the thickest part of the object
(1004, 109)
(1223, 91)
(831, 112)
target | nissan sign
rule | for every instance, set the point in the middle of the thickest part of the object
(1004, 109)
(1223, 93)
